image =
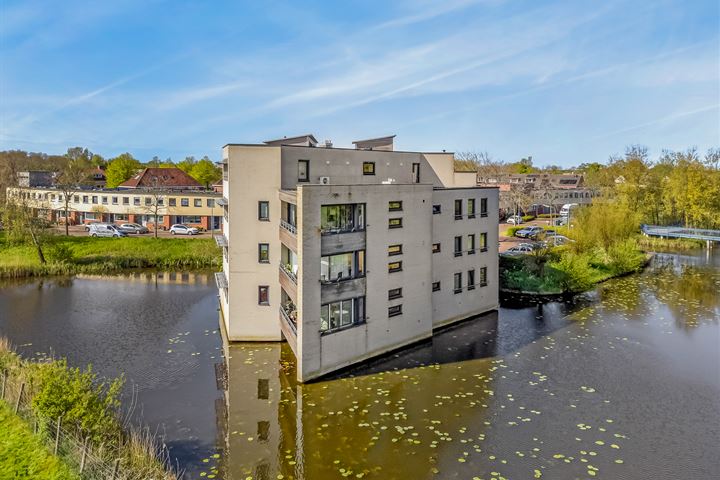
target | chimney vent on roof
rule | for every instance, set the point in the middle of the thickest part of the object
(328, 144)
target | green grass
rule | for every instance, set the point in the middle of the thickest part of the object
(22, 453)
(71, 255)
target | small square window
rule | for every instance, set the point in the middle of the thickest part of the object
(436, 210)
(126, 201)
(94, 199)
(395, 310)
(104, 200)
(136, 201)
(395, 206)
(210, 202)
(394, 293)
(303, 170)
(148, 201)
(85, 199)
(436, 248)
(264, 211)
(184, 202)
(76, 198)
(197, 202)
(173, 202)
(263, 295)
(114, 200)
(263, 252)
(395, 223)
(368, 168)
(394, 267)
(395, 250)
(436, 286)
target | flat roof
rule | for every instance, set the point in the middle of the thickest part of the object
(332, 148)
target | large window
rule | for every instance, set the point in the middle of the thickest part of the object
(457, 284)
(303, 170)
(483, 242)
(342, 314)
(458, 209)
(458, 246)
(342, 218)
(344, 266)
(368, 168)
(471, 208)
(483, 207)
(264, 211)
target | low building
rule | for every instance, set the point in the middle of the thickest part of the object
(166, 178)
(194, 207)
(35, 178)
(351, 253)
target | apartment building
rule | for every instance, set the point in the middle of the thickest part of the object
(350, 253)
(87, 205)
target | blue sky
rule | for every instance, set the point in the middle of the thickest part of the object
(565, 81)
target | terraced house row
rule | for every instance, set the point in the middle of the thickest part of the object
(349, 253)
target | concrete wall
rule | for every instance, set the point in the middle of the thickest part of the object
(322, 353)
(446, 305)
(344, 167)
(254, 175)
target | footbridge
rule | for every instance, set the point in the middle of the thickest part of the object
(709, 236)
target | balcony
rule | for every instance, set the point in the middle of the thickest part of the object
(288, 235)
(290, 228)
(287, 269)
(335, 291)
(288, 324)
(288, 282)
(349, 241)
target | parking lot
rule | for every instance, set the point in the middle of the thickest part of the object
(79, 231)
(508, 242)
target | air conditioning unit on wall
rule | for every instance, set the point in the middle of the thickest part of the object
(324, 180)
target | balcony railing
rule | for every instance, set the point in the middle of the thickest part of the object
(335, 231)
(287, 270)
(290, 228)
(288, 317)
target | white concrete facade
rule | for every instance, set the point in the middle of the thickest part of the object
(341, 258)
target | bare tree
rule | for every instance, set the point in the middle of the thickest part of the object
(157, 204)
(69, 182)
(23, 220)
(486, 167)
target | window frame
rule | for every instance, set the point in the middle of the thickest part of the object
(399, 250)
(394, 267)
(184, 202)
(370, 171)
(436, 286)
(483, 207)
(471, 212)
(471, 279)
(483, 277)
(266, 289)
(260, 208)
(399, 223)
(458, 241)
(483, 242)
(397, 208)
(471, 245)
(437, 209)
(263, 247)
(172, 201)
(307, 170)
(458, 208)
(395, 293)
(197, 202)
(438, 249)
(457, 280)
(394, 310)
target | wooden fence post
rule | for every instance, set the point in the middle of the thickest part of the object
(17, 402)
(84, 454)
(57, 435)
(115, 469)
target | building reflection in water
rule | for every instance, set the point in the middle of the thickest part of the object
(272, 427)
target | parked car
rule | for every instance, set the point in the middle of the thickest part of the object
(514, 220)
(133, 228)
(529, 232)
(105, 230)
(87, 225)
(179, 229)
(556, 240)
(521, 249)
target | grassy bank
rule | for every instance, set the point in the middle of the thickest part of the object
(653, 244)
(80, 410)
(23, 454)
(71, 255)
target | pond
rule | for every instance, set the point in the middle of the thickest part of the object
(621, 383)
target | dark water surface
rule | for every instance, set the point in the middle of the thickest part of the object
(623, 383)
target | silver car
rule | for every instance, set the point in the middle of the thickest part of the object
(133, 228)
(179, 229)
(105, 230)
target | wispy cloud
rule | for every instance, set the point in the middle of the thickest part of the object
(658, 121)
(436, 10)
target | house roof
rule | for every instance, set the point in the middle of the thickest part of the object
(160, 177)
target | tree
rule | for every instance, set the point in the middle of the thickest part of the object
(158, 201)
(187, 164)
(206, 172)
(69, 181)
(489, 170)
(120, 169)
(23, 223)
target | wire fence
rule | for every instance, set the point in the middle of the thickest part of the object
(93, 462)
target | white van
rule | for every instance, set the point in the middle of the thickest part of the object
(105, 230)
(567, 208)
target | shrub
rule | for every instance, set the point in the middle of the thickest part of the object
(60, 253)
(510, 232)
(573, 272)
(528, 218)
(624, 257)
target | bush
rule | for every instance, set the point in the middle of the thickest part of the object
(624, 257)
(573, 272)
(510, 232)
(528, 218)
(60, 253)
(548, 215)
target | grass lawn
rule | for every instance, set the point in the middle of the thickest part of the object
(22, 453)
(69, 255)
